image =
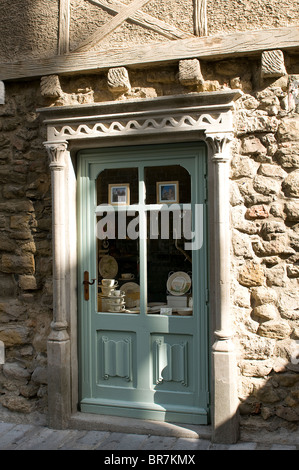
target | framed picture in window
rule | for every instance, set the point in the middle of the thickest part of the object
(167, 192)
(119, 194)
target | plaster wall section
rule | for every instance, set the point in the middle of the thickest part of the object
(28, 29)
(243, 15)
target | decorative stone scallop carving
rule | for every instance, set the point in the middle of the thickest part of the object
(50, 86)
(118, 80)
(273, 64)
(190, 73)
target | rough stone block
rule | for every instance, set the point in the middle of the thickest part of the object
(23, 264)
(190, 73)
(263, 295)
(15, 371)
(266, 312)
(288, 130)
(27, 282)
(293, 93)
(257, 212)
(277, 329)
(7, 285)
(273, 64)
(292, 211)
(252, 274)
(13, 335)
(291, 184)
(118, 80)
(2, 92)
(252, 145)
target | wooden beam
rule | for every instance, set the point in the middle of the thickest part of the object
(144, 19)
(110, 26)
(64, 27)
(208, 48)
(200, 18)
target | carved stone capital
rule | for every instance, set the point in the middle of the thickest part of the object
(220, 145)
(56, 152)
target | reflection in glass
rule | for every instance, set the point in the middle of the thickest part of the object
(143, 222)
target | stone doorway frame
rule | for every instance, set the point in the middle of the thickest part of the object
(194, 117)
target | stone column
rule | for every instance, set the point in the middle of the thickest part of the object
(59, 391)
(2, 93)
(224, 371)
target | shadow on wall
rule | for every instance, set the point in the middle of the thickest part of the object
(269, 400)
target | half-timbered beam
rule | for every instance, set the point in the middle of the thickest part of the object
(144, 19)
(209, 48)
(125, 13)
(64, 27)
(200, 18)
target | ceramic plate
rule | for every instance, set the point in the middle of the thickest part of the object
(178, 283)
(108, 267)
(132, 291)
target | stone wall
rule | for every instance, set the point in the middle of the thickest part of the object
(264, 226)
(265, 242)
(25, 251)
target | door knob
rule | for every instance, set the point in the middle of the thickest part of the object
(86, 284)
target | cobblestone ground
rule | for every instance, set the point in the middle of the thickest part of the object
(33, 437)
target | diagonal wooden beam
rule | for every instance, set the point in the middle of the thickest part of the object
(125, 13)
(144, 19)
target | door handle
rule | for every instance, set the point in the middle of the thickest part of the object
(86, 284)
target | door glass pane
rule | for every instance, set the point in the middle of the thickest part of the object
(169, 259)
(167, 184)
(118, 241)
(117, 184)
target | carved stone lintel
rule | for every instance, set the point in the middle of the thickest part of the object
(56, 152)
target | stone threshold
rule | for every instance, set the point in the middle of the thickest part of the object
(94, 422)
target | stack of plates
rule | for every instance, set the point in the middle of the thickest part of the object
(132, 294)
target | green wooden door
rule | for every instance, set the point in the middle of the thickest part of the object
(141, 361)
